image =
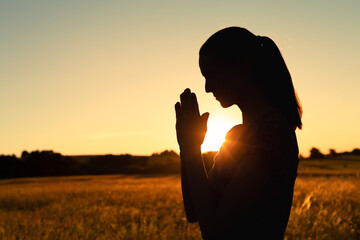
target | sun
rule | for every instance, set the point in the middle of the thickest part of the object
(217, 128)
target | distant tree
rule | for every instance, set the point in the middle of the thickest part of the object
(25, 155)
(301, 157)
(166, 154)
(332, 152)
(315, 153)
(9, 166)
(167, 161)
(47, 163)
(356, 151)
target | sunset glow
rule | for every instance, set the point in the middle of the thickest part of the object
(99, 77)
(215, 135)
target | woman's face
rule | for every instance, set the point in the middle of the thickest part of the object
(228, 82)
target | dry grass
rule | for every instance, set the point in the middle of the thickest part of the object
(137, 207)
(325, 208)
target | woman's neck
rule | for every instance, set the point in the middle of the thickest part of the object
(254, 113)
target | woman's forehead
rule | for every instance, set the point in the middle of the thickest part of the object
(207, 61)
(207, 64)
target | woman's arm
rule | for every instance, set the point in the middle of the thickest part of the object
(191, 129)
(188, 203)
(202, 194)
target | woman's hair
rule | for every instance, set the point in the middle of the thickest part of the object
(231, 44)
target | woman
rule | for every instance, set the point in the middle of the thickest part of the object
(248, 192)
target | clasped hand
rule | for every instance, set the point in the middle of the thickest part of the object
(190, 125)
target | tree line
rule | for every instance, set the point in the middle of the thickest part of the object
(315, 153)
(50, 163)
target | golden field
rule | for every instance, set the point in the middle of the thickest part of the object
(150, 207)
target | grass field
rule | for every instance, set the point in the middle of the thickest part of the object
(150, 207)
(343, 165)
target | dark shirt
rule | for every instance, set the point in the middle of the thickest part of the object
(272, 140)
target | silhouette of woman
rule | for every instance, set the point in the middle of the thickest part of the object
(248, 192)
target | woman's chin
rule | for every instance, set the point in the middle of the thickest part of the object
(225, 104)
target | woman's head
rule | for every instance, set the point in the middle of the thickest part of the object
(234, 62)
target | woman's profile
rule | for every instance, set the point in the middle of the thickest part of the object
(248, 192)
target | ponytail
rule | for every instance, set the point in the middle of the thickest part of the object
(275, 80)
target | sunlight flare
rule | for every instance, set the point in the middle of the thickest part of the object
(217, 128)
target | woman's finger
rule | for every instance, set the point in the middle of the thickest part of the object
(194, 104)
(178, 110)
(185, 99)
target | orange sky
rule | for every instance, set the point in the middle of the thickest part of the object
(91, 77)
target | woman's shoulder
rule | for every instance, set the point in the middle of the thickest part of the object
(234, 132)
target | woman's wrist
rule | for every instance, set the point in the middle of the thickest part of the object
(190, 151)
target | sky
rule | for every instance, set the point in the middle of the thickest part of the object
(99, 77)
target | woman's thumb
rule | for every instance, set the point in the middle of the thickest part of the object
(205, 117)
